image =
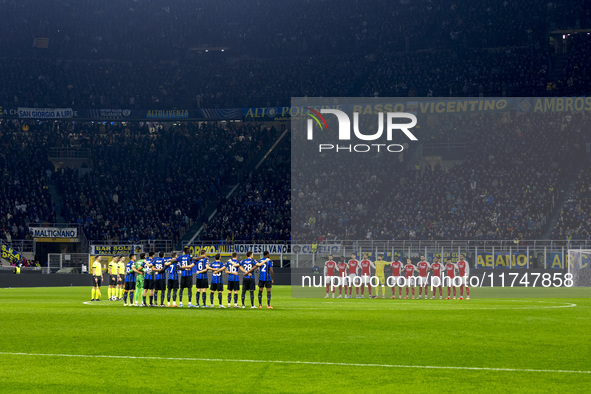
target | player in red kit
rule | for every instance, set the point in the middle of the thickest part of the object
(463, 273)
(423, 267)
(409, 271)
(329, 268)
(436, 269)
(342, 266)
(353, 267)
(366, 264)
(396, 274)
(450, 273)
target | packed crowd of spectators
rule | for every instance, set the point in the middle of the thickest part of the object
(578, 56)
(385, 48)
(230, 83)
(260, 208)
(25, 170)
(141, 181)
(141, 28)
(574, 221)
(153, 184)
(144, 181)
(504, 186)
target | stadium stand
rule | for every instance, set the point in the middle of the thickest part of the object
(144, 183)
(26, 173)
(260, 208)
(432, 49)
(192, 60)
(504, 187)
(575, 216)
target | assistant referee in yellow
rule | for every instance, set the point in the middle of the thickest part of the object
(97, 278)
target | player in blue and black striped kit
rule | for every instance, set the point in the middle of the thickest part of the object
(201, 268)
(186, 265)
(159, 281)
(173, 278)
(265, 266)
(231, 267)
(247, 265)
(217, 282)
(148, 279)
(130, 272)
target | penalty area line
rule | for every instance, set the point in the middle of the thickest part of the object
(288, 362)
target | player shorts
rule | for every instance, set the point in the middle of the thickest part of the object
(173, 284)
(148, 284)
(422, 281)
(129, 286)
(160, 284)
(139, 283)
(381, 279)
(410, 281)
(248, 284)
(120, 279)
(396, 281)
(329, 280)
(186, 282)
(265, 283)
(351, 279)
(233, 285)
(463, 281)
(97, 281)
(436, 281)
(217, 287)
(366, 280)
(112, 280)
(202, 283)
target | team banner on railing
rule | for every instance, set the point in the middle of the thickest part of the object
(212, 250)
(45, 113)
(167, 114)
(556, 260)
(113, 250)
(319, 249)
(260, 248)
(501, 260)
(54, 234)
(110, 114)
(10, 254)
(454, 256)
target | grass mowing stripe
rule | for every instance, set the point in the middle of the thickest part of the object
(295, 362)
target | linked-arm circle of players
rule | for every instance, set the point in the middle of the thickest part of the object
(151, 275)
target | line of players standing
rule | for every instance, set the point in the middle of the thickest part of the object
(148, 276)
(347, 272)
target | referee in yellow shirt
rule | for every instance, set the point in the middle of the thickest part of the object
(380, 264)
(97, 278)
(113, 276)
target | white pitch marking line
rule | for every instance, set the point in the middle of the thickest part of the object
(296, 362)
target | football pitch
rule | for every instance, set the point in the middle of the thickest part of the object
(50, 340)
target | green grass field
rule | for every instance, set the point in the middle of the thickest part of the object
(51, 341)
